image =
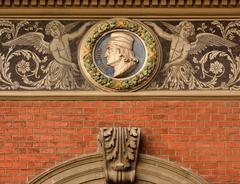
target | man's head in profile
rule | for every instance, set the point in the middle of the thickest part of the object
(120, 55)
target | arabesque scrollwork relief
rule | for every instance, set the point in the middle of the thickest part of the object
(119, 55)
(211, 61)
(29, 62)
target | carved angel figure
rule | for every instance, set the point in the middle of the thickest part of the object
(60, 71)
(178, 69)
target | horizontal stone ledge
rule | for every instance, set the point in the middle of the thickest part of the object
(132, 96)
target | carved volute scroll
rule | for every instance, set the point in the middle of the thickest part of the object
(120, 151)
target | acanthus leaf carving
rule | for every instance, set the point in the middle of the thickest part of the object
(120, 150)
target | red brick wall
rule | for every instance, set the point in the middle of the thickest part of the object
(201, 135)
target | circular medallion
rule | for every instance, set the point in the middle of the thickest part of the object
(120, 55)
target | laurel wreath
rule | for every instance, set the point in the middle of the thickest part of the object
(121, 84)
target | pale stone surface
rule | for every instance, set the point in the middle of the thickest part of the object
(90, 169)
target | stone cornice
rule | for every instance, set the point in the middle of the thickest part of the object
(117, 3)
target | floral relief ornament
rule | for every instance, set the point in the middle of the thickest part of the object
(216, 67)
(23, 66)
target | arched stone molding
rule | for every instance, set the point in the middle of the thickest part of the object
(89, 169)
(85, 169)
(158, 171)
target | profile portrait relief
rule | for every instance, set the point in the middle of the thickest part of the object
(119, 54)
(114, 57)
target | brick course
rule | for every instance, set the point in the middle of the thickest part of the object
(201, 135)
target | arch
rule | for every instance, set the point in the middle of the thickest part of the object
(89, 169)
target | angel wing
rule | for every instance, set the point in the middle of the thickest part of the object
(34, 39)
(171, 27)
(70, 26)
(207, 39)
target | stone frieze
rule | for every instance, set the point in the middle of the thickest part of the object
(119, 55)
